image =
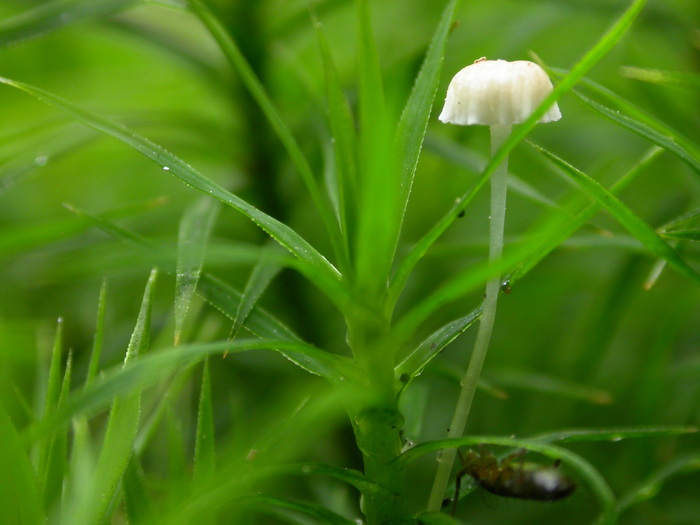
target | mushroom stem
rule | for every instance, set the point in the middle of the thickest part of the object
(499, 184)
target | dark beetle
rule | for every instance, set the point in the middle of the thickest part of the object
(514, 479)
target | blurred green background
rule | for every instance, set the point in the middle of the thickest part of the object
(582, 316)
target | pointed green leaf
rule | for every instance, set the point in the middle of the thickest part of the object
(658, 76)
(377, 208)
(553, 232)
(625, 216)
(334, 289)
(20, 503)
(204, 448)
(175, 166)
(216, 292)
(233, 54)
(52, 477)
(683, 219)
(414, 363)
(258, 322)
(344, 175)
(140, 508)
(455, 288)
(612, 434)
(524, 380)
(416, 114)
(352, 477)
(22, 239)
(53, 388)
(52, 15)
(150, 369)
(28, 155)
(262, 275)
(90, 507)
(649, 128)
(195, 228)
(47, 450)
(176, 455)
(688, 235)
(94, 365)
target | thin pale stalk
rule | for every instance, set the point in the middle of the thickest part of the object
(499, 179)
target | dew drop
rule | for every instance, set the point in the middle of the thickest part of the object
(41, 160)
(166, 168)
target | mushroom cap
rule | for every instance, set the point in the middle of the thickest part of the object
(497, 92)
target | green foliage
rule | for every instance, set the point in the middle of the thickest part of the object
(355, 254)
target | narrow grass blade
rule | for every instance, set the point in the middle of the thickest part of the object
(47, 450)
(659, 76)
(50, 16)
(652, 485)
(204, 448)
(377, 220)
(625, 216)
(176, 456)
(553, 232)
(333, 288)
(252, 83)
(20, 502)
(612, 434)
(344, 135)
(310, 509)
(590, 59)
(52, 477)
(416, 114)
(414, 363)
(523, 380)
(679, 221)
(21, 239)
(687, 235)
(352, 477)
(195, 228)
(216, 292)
(148, 370)
(24, 158)
(53, 388)
(260, 278)
(139, 507)
(650, 129)
(90, 508)
(455, 288)
(94, 365)
(258, 322)
(581, 468)
(282, 233)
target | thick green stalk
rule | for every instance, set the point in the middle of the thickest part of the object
(377, 430)
(499, 183)
(373, 408)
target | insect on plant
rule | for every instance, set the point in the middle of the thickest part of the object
(514, 479)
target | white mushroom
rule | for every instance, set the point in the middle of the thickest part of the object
(498, 94)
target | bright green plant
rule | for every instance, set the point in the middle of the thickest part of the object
(66, 463)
